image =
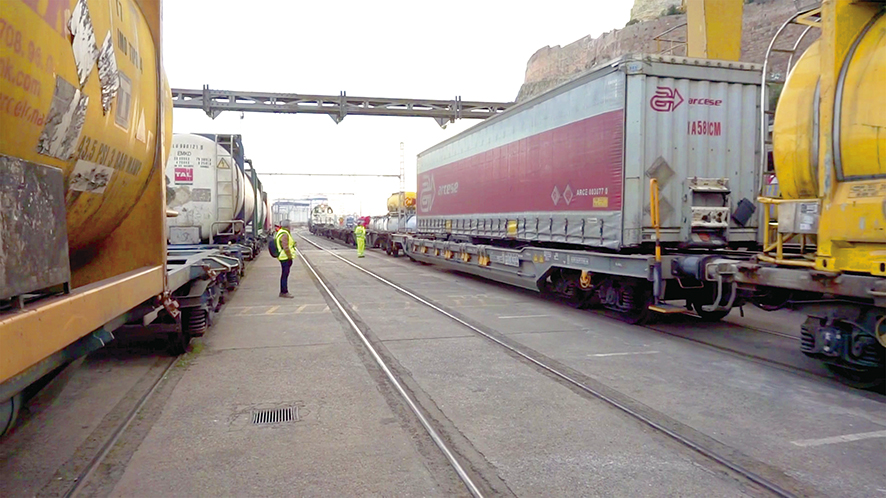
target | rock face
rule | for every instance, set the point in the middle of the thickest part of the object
(647, 10)
(551, 66)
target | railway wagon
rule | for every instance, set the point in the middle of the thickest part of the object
(212, 196)
(259, 224)
(382, 231)
(332, 226)
(828, 140)
(83, 141)
(212, 191)
(571, 191)
(82, 137)
(817, 246)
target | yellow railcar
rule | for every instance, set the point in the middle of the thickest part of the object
(826, 253)
(85, 122)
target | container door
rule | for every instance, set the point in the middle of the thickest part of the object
(699, 140)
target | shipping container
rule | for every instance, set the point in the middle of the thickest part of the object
(574, 164)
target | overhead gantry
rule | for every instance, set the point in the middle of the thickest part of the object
(213, 102)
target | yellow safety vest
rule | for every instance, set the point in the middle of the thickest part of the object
(360, 231)
(278, 239)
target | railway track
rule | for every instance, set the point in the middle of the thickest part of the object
(758, 474)
(438, 440)
(806, 368)
(83, 478)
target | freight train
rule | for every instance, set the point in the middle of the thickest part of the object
(380, 230)
(85, 133)
(641, 187)
(326, 223)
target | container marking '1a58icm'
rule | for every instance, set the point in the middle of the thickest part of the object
(707, 128)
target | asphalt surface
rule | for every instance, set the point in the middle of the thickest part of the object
(517, 430)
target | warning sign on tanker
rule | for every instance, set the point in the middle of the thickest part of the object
(184, 176)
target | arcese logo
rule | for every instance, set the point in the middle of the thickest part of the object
(426, 196)
(707, 102)
(665, 99)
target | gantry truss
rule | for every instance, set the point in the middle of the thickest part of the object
(213, 102)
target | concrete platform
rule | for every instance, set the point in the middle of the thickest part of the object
(349, 438)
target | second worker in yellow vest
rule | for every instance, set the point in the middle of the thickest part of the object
(360, 235)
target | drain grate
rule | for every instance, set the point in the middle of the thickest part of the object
(275, 416)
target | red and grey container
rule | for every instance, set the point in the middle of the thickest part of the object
(574, 164)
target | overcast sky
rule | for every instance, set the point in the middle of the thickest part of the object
(418, 49)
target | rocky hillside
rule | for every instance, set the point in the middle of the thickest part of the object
(551, 66)
(647, 10)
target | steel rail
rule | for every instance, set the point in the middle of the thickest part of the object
(97, 460)
(466, 479)
(748, 474)
(777, 364)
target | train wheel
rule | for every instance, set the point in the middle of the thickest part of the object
(629, 298)
(9, 413)
(564, 286)
(639, 313)
(177, 342)
(859, 379)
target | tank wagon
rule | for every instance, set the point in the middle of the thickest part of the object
(213, 197)
(637, 188)
(213, 192)
(83, 143)
(824, 247)
(385, 232)
(259, 224)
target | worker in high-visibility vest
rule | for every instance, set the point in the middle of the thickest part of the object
(286, 249)
(360, 235)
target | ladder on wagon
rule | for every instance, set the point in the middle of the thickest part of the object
(780, 59)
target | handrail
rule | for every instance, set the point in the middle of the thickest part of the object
(654, 214)
(780, 238)
(800, 17)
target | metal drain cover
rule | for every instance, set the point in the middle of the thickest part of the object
(275, 416)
